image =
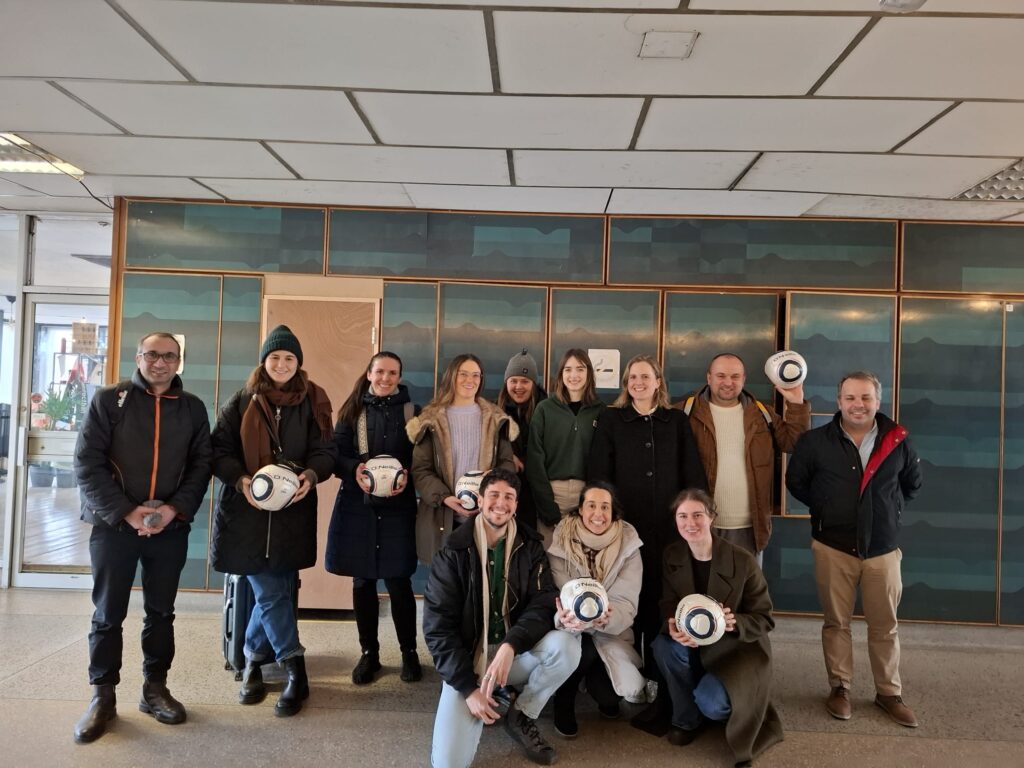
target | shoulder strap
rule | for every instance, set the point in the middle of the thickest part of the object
(764, 412)
(408, 410)
(689, 404)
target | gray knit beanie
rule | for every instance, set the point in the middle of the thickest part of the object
(522, 364)
(281, 338)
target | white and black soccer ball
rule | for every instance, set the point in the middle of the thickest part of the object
(702, 618)
(786, 369)
(273, 487)
(385, 475)
(586, 598)
(467, 490)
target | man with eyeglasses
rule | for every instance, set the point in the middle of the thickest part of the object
(143, 466)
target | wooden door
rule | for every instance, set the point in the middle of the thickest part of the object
(337, 337)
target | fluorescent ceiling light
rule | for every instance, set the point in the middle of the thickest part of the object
(901, 6)
(20, 156)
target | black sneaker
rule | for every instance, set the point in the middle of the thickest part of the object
(411, 670)
(523, 731)
(367, 668)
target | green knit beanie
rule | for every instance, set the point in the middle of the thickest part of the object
(281, 338)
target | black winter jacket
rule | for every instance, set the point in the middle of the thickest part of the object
(453, 620)
(373, 537)
(248, 540)
(120, 462)
(855, 509)
(526, 510)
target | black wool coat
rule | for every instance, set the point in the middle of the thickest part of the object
(372, 537)
(248, 540)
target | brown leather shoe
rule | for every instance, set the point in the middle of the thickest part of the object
(897, 710)
(838, 703)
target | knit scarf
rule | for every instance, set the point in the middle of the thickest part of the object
(480, 538)
(261, 442)
(576, 540)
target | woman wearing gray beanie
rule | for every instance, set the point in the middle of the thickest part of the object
(519, 397)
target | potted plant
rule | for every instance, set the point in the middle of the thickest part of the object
(57, 406)
(41, 475)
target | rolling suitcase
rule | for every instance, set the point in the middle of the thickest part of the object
(238, 604)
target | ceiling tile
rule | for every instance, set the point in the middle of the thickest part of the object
(35, 105)
(919, 57)
(59, 204)
(694, 170)
(912, 208)
(133, 155)
(783, 124)
(1018, 217)
(518, 199)
(352, 47)
(973, 128)
(225, 111)
(868, 6)
(592, 4)
(84, 38)
(597, 53)
(314, 192)
(501, 121)
(899, 175)
(710, 202)
(412, 164)
(60, 185)
(9, 185)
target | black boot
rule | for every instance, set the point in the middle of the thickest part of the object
(657, 718)
(102, 708)
(253, 690)
(565, 710)
(158, 702)
(411, 670)
(296, 690)
(367, 668)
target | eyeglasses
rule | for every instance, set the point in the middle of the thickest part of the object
(167, 357)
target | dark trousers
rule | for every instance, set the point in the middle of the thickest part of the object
(116, 554)
(367, 607)
(592, 669)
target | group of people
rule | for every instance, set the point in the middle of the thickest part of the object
(655, 501)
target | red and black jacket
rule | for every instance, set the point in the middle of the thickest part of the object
(855, 509)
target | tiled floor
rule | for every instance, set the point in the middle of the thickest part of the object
(966, 684)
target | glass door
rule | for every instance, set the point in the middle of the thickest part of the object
(65, 354)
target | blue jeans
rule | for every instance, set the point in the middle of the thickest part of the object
(537, 673)
(694, 692)
(273, 630)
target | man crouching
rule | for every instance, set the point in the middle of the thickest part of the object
(488, 620)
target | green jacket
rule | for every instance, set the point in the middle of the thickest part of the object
(558, 448)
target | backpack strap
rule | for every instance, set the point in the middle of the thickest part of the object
(688, 406)
(409, 410)
(764, 412)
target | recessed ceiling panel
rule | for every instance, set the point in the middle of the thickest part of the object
(352, 47)
(60, 185)
(912, 208)
(513, 199)
(140, 156)
(315, 192)
(225, 112)
(501, 121)
(688, 170)
(413, 164)
(734, 55)
(35, 105)
(783, 124)
(973, 128)
(946, 58)
(75, 38)
(709, 202)
(899, 175)
(59, 204)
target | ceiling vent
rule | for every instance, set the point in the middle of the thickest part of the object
(667, 45)
(1007, 184)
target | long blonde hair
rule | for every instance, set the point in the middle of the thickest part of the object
(660, 399)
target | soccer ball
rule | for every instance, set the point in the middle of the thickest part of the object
(786, 369)
(385, 475)
(273, 487)
(702, 618)
(586, 598)
(467, 490)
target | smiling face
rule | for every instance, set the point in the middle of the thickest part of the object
(384, 375)
(642, 382)
(858, 402)
(726, 378)
(596, 510)
(280, 367)
(467, 381)
(693, 522)
(498, 504)
(159, 371)
(574, 376)
(519, 388)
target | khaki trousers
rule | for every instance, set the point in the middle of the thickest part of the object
(881, 586)
(567, 497)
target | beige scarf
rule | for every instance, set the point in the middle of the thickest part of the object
(575, 539)
(480, 658)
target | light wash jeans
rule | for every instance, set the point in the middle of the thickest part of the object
(538, 673)
(273, 630)
(694, 692)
